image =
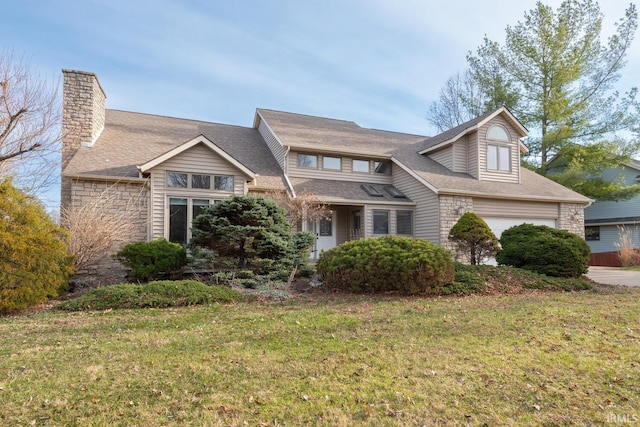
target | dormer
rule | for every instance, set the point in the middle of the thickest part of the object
(488, 147)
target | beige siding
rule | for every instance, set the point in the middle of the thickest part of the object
(391, 209)
(461, 155)
(426, 216)
(444, 157)
(346, 174)
(514, 174)
(279, 152)
(515, 209)
(473, 159)
(198, 159)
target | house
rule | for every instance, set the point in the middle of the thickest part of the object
(376, 182)
(606, 221)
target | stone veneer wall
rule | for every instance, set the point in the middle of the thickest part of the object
(451, 209)
(128, 199)
(83, 117)
(572, 218)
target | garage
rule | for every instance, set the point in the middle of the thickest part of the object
(498, 225)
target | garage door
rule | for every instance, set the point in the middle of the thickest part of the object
(498, 225)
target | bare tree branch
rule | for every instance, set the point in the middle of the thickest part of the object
(29, 125)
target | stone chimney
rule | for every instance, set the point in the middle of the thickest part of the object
(82, 112)
(82, 118)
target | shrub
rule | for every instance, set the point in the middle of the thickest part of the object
(474, 238)
(389, 263)
(255, 232)
(544, 250)
(34, 264)
(151, 260)
(153, 294)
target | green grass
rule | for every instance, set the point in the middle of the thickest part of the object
(535, 358)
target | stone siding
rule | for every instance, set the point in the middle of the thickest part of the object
(451, 209)
(128, 200)
(572, 218)
(83, 118)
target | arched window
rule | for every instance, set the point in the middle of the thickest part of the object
(498, 133)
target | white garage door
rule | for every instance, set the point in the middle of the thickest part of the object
(498, 225)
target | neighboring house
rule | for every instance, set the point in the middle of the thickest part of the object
(375, 182)
(605, 222)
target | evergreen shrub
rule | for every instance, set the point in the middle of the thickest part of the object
(34, 263)
(158, 294)
(152, 260)
(544, 250)
(390, 263)
(473, 238)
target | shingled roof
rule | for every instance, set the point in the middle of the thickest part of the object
(339, 136)
(132, 139)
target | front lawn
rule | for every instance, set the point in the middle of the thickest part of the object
(533, 358)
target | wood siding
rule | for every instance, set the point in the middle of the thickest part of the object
(426, 217)
(486, 175)
(278, 151)
(198, 159)
(346, 174)
(515, 209)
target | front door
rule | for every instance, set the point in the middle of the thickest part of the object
(325, 230)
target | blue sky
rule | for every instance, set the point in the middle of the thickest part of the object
(379, 63)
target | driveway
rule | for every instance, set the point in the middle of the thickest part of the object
(614, 276)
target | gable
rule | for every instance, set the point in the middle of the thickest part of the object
(449, 137)
(185, 155)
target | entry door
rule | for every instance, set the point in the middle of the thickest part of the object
(325, 229)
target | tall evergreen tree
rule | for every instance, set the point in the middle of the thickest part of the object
(557, 76)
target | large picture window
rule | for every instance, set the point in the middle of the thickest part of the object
(182, 211)
(380, 222)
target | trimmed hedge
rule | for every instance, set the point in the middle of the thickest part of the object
(157, 294)
(389, 263)
(544, 250)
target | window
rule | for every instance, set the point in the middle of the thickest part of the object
(182, 211)
(380, 222)
(178, 220)
(371, 190)
(307, 161)
(383, 167)
(498, 133)
(592, 233)
(404, 223)
(334, 163)
(360, 166)
(498, 158)
(224, 183)
(201, 181)
(325, 227)
(177, 179)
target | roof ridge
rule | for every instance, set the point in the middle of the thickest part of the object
(178, 118)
